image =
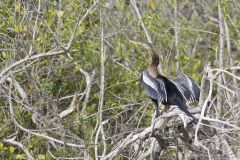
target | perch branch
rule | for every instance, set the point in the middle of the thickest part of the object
(131, 138)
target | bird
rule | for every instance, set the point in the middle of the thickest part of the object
(168, 91)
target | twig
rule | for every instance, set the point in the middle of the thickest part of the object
(226, 88)
(209, 76)
(223, 122)
(89, 79)
(68, 97)
(220, 54)
(192, 29)
(19, 89)
(229, 73)
(176, 31)
(35, 28)
(47, 54)
(20, 145)
(142, 135)
(70, 109)
(26, 59)
(102, 88)
(13, 117)
(80, 20)
(149, 151)
(133, 2)
(227, 35)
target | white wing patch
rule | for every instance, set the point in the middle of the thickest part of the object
(156, 84)
(149, 82)
(187, 87)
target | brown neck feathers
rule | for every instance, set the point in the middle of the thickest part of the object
(152, 69)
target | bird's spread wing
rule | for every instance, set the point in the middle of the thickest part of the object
(154, 87)
(187, 86)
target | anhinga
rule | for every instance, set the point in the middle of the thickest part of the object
(168, 91)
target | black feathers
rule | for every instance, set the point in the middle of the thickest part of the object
(159, 88)
(176, 91)
(187, 86)
(154, 87)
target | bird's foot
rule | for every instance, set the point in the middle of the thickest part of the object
(166, 108)
(157, 114)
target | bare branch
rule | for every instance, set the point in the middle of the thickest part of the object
(100, 130)
(145, 133)
(80, 20)
(208, 72)
(176, 32)
(133, 2)
(26, 59)
(220, 54)
(89, 79)
(13, 117)
(19, 89)
(70, 109)
(20, 145)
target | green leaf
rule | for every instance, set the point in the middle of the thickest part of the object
(1, 146)
(20, 156)
(60, 14)
(4, 54)
(18, 7)
(11, 149)
(152, 5)
(41, 157)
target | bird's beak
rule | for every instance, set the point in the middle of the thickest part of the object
(135, 42)
(140, 43)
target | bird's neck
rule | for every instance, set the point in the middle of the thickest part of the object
(154, 56)
(153, 70)
(155, 59)
(153, 67)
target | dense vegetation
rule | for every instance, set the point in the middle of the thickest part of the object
(70, 77)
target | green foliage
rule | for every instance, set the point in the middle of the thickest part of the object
(47, 80)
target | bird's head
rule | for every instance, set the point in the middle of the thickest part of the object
(146, 45)
(151, 49)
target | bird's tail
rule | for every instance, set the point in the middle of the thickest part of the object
(195, 120)
(185, 110)
(208, 104)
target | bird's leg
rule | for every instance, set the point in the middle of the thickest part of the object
(165, 109)
(156, 107)
(156, 114)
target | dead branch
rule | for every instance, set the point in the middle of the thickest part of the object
(176, 32)
(145, 133)
(47, 54)
(4, 72)
(133, 2)
(13, 118)
(20, 145)
(100, 130)
(18, 87)
(89, 79)
(70, 109)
